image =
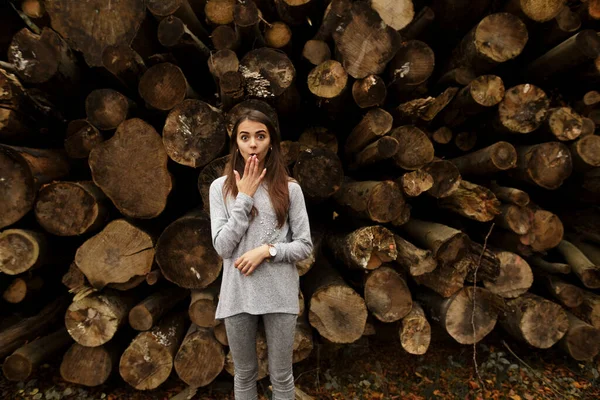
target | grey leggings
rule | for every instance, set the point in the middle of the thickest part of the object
(241, 334)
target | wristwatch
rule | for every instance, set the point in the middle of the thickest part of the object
(272, 250)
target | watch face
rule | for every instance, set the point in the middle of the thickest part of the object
(272, 251)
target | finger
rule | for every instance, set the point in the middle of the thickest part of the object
(237, 262)
(251, 270)
(254, 165)
(247, 166)
(237, 176)
(262, 175)
(245, 269)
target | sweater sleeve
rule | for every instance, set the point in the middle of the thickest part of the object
(301, 245)
(228, 231)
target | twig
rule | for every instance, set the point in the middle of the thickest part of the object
(8, 67)
(475, 305)
(263, 20)
(555, 390)
(27, 21)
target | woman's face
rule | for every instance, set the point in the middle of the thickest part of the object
(253, 139)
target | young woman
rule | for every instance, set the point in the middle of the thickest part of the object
(260, 228)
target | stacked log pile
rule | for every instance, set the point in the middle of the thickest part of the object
(447, 151)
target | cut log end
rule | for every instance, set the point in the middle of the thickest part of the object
(523, 108)
(339, 314)
(500, 37)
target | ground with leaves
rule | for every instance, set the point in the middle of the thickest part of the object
(378, 368)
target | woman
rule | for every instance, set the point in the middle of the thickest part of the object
(260, 228)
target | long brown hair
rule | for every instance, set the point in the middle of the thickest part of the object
(277, 176)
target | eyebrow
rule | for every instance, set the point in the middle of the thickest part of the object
(259, 131)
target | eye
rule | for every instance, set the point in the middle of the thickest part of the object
(244, 137)
(261, 136)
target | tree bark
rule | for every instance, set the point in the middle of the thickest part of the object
(26, 170)
(125, 64)
(71, 208)
(546, 164)
(514, 218)
(22, 250)
(319, 137)
(479, 95)
(486, 45)
(379, 42)
(194, 133)
(89, 366)
(203, 306)
(375, 124)
(446, 178)
(73, 279)
(535, 320)
(335, 310)
(510, 195)
(579, 48)
(472, 201)
(117, 254)
(582, 340)
(415, 331)
(173, 33)
(93, 320)
(380, 202)
(589, 310)
(515, 276)
(148, 360)
(123, 165)
(386, 294)
(448, 245)
(587, 271)
(457, 313)
(319, 172)
(423, 110)
(414, 260)
(500, 156)
(81, 137)
(549, 267)
(20, 364)
(365, 248)
(188, 235)
(201, 358)
(568, 295)
(14, 336)
(419, 24)
(146, 314)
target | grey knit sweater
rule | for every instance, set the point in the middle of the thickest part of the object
(273, 286)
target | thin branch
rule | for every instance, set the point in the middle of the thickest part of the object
(556, 391)
(475, 305)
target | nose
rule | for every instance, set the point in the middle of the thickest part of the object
(252, 143)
